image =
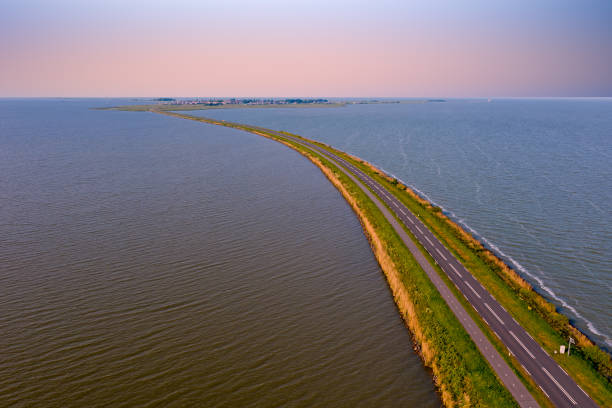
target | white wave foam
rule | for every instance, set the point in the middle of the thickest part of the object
(513, 263)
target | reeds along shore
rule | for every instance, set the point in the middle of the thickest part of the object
(559, 322)
(455, 390)
(400, 294)
(436, 338)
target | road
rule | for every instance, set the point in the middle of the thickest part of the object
(556, 384)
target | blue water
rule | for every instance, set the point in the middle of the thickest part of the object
(531, 178)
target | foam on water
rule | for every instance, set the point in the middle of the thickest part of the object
(531, 178)
(513, 263)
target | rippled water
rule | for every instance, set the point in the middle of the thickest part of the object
(152, 261)
(531, 178)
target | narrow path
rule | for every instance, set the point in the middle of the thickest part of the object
(556, 384)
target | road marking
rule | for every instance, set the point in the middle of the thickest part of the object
(522, 345)
(559, 385)
(441, 254)
(526, 370)
(494, 314)
(457, 272)
(430, 243)
(470, 286)
(417, 227)
(547, 396)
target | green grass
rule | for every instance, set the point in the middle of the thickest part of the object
(463, 371)
(463, 374)
(588, 365)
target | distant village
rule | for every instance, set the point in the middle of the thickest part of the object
(241, 101)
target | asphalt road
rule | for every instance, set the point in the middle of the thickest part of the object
(560, 388)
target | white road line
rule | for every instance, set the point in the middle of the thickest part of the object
(417, 227)
(526, 370)
(559, 385)
(470, 286)
(494, 314)
(441, 254)
(522, 345)
(545, 393)
(430, 243)
(456, 271)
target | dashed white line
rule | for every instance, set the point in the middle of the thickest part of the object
(521, 344)
(456, 271)
(494, 314)
(559, 385)
(441, 254)
(470, 286)
(430, 243)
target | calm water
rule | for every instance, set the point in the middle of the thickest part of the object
(152, 261)
(531, 178)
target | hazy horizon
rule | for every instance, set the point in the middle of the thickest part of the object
(68, 48)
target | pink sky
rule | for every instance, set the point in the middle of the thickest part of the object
(70, 48)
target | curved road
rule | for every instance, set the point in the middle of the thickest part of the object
(560, 388)
(556, 384)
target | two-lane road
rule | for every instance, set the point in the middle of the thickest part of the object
(560, 388)
(556, 384)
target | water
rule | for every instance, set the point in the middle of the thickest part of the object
(531, 178)
(152, 261)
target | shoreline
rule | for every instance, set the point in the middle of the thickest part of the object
(523, 290)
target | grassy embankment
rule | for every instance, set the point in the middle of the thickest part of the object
(590, 366)
(462, 375)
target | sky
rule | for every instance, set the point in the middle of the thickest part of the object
(382, 48)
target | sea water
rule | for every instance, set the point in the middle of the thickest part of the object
(530, 178)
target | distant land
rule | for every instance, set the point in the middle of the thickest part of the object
(178, 104)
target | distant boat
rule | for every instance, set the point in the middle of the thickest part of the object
(489, 100)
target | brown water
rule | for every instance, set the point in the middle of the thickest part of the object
(152, 261)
